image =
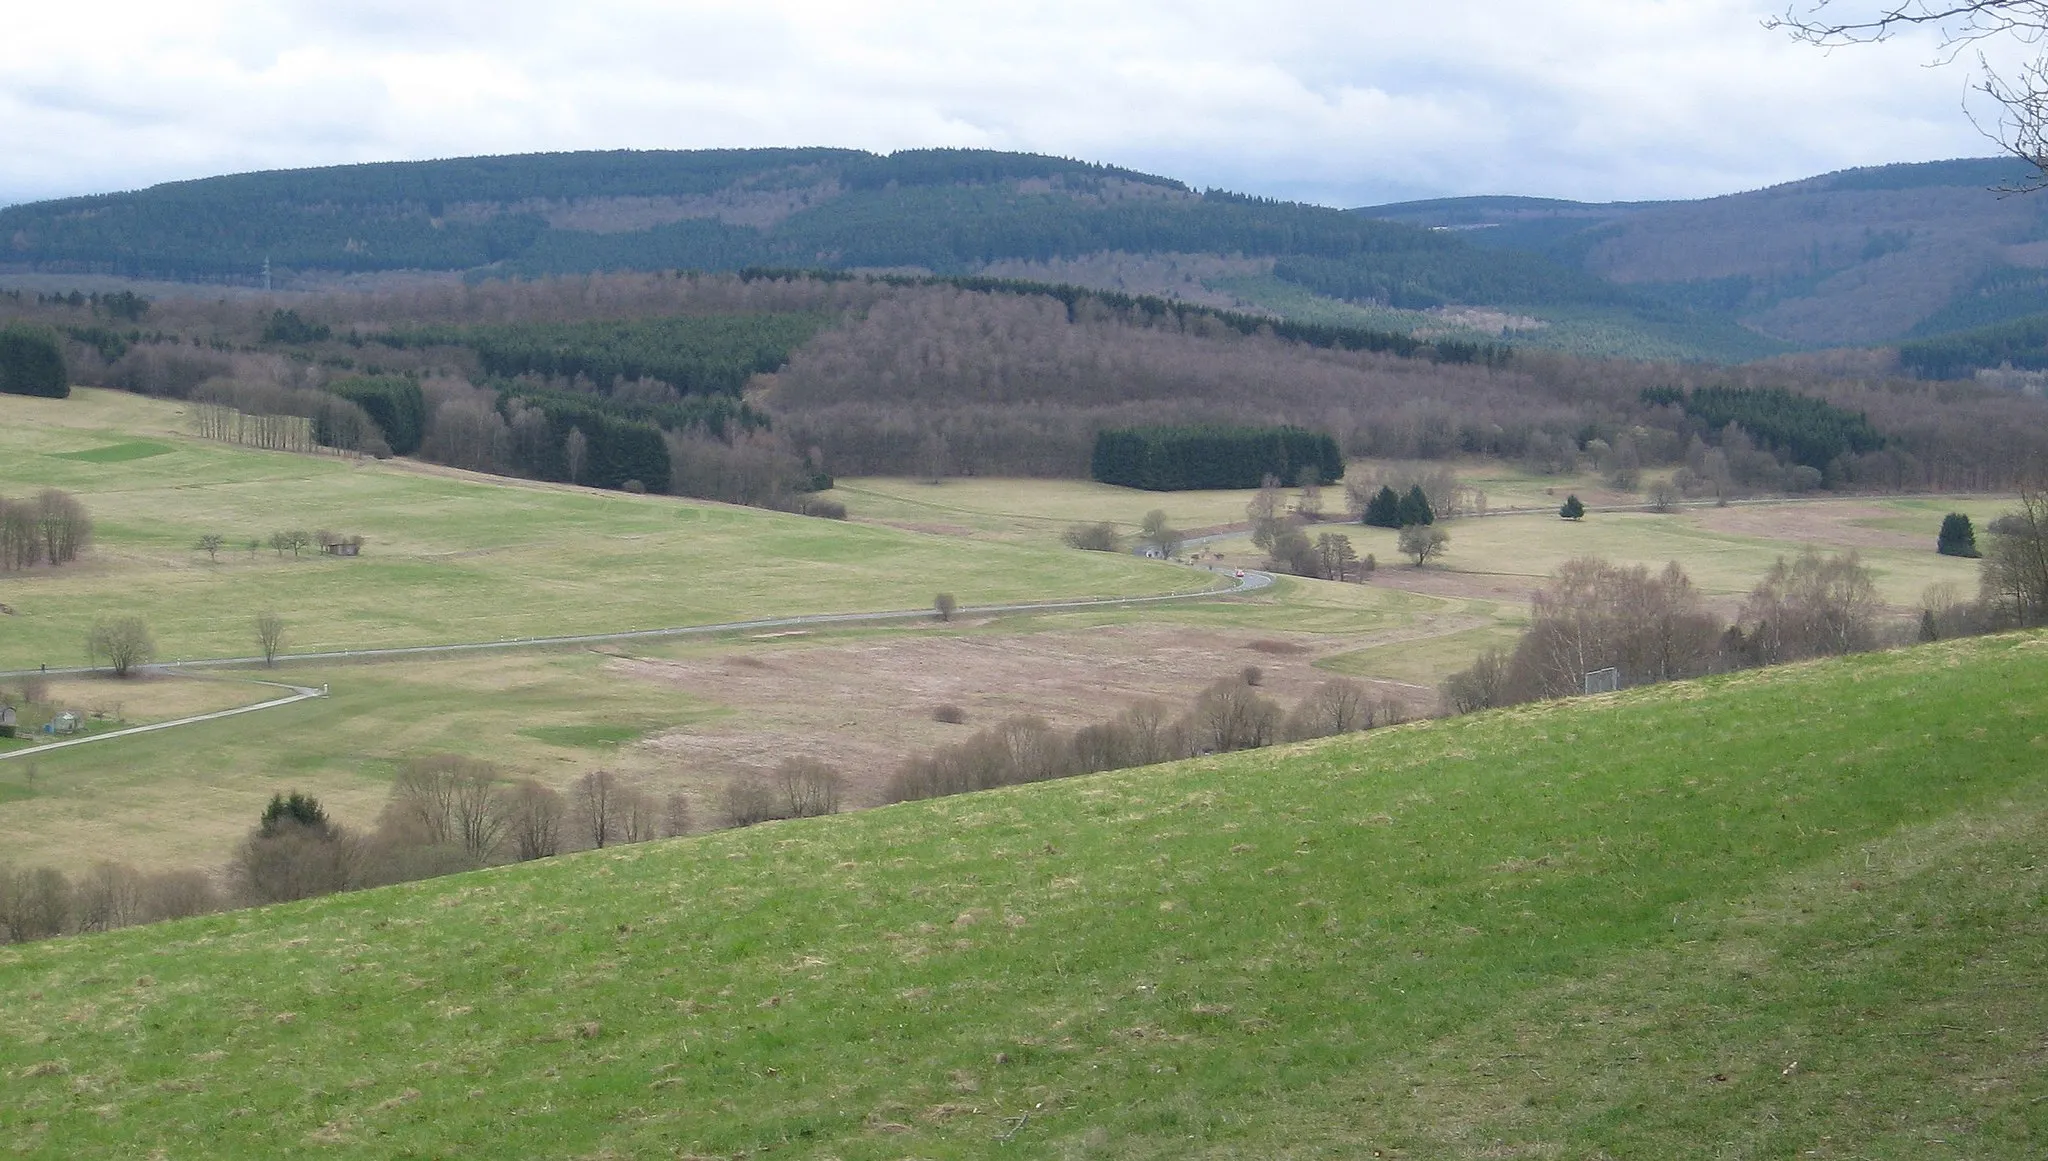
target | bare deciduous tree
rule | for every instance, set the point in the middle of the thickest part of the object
(179, 894)
(210, 544)
(481, 813)
(749, 798)
(294, 855)
(576, 454)
(1229, 716)
(1812, 606)
(2017, 113)
(597, 807)
(536, 813)
(1158, 532)
(675, 814)
(1338, 706)
(64, 525)
(124, 643)
(1424, 542)
(809, 787)
(270, 636)
(2014, 570)
(639, 815)
(111, 895)
(422, 802)
(35, 903)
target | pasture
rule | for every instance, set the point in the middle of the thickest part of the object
(450, 557)
(1793, 912)
(453, 557)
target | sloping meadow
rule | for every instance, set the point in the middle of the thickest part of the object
(1791, 912)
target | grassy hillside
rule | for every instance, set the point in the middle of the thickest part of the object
(1794, 912)
(450, 557)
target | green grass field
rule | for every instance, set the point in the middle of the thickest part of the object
(1797, 912)
(182, 798)
(449, 557)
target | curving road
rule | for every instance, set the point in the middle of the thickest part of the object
(298, 693)
(1249, 582)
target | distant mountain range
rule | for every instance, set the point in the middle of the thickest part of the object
(1861, 257)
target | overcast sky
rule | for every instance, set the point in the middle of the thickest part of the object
(1345, 103)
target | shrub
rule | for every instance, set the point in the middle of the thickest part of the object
(1102, 537)
(809, 787)
(951, 715)
(748, 799)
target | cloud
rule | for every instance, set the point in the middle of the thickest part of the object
(1344, 103)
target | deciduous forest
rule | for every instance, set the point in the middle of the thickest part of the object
(760, 386)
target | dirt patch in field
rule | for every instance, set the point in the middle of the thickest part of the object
(1831, 524)
(1436, 581)
(927, 527)
(866, 707)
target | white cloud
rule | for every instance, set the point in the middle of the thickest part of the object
(1338, 102)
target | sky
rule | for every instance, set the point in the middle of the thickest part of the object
(1341, 103)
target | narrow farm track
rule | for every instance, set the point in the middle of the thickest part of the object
(298, 693)
(1249, 582)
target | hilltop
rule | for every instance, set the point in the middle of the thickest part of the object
(1791, 911)
(1861, 256)
(938, 211)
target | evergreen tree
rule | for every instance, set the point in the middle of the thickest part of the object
(1957, 537)
(1573, 509)
(299, 811)
(1384, 509)
(1415, 509)
(32, 362)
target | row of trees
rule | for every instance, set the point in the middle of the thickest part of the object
(1231, 714)
(1655, 626)
(51, 528)
(446, 813)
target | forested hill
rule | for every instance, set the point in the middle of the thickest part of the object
(946, 211)
(1853, 258)
(941, 211)
(1857, 257)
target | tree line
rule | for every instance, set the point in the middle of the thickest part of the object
(931, 379)
(1653, 627)
(1174, 459)
(1807, 430)
(1230, 714)
(445, 813)
(695, 354)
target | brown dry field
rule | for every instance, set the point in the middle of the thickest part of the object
(1833, 524)
(866, 706)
